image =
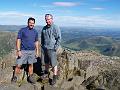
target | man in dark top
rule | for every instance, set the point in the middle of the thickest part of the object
(27, 48)
(50, 41)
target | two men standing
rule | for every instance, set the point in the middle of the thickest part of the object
(28, 46)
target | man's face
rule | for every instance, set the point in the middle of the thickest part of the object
(31, 24)
(48, 20)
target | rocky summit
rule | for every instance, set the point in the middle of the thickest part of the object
(78, 70)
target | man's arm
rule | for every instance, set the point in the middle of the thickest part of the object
(18, 44)
(18, 47)
(57, 37)
(37, 46)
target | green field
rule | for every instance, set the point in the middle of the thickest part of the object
(7, 42)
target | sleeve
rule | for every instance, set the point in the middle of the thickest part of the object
(19, 36)
(57, 37)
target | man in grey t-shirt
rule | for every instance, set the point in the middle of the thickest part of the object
(50, 41)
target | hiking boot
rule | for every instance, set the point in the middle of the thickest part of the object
(32, 79)
(14, 79)
(53, 82)
(44, 76)
(46, 72)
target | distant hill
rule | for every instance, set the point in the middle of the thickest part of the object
(103, 40)
(14, 28)
(102, 44)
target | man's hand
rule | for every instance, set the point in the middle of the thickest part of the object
(37, 55)
(19, 53)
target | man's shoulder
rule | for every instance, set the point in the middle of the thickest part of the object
(44, 28)
(35, 31)
(55, 26)
(23, 28)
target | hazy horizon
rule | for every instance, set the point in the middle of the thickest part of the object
(87, 27)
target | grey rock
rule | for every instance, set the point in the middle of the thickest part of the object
(78, 70)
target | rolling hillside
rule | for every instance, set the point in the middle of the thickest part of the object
(103, 40)
(7, 42)
(105, 45)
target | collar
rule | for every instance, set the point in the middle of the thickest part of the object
(29, 28)
(48, 26)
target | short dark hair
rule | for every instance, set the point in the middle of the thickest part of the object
(49, 15)
(31, 18)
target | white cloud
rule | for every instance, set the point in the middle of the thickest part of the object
(38, 5)
(18, 18)
(47, 6)
(91, 21)
(97, 8)
(67, 4)
(14, 14)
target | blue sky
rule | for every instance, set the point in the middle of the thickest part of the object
(92, 13)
